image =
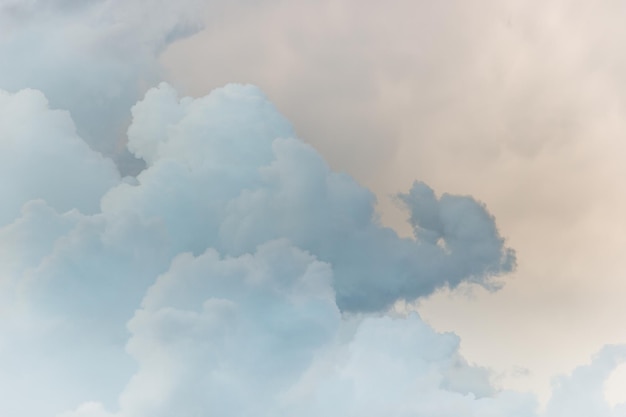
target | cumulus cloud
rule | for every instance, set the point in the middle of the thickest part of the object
(237, 274)
(92, 58)
(42, 157)
(518, 102)
(218, 280)
(224, 172)
(582, 393)
(259, 183)
(261, 335)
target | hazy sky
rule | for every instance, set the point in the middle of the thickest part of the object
(247, 269)
(519, 104)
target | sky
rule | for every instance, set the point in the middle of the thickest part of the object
(311, 208)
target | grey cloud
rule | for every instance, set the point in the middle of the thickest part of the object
(273, 188)
(223, 172)
(463, 227)
(42, 157)
(94, 59)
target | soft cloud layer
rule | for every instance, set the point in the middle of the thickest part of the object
(93, 58)
(261, 335)
(519, 103)
(237, 274)
(215, 282)
(41, 157)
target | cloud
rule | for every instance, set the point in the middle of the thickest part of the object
(224, 271)
(518, 103)
(92, 58)
(260, 184)
(42, 157)
(237, 274)
(223, 172)
(261, 334)
(582, 393)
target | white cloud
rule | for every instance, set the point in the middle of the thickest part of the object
(41, 157)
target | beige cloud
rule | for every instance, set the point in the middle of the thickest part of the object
(520, 104)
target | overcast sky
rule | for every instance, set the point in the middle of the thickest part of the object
(508, 114)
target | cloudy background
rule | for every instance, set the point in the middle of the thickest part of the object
(247, 269)
(520, 104)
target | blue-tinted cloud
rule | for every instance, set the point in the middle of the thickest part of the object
(237, 274)
(224, 173)
(260, 183)
(93, 58)
(221, 273)
(42, 157)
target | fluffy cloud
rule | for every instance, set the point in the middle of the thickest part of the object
(261, 335)
(582, 393)
(42, 157)
(230, 163)
(92, 58)
(237, 274)
(230, 277)
(223, 172)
